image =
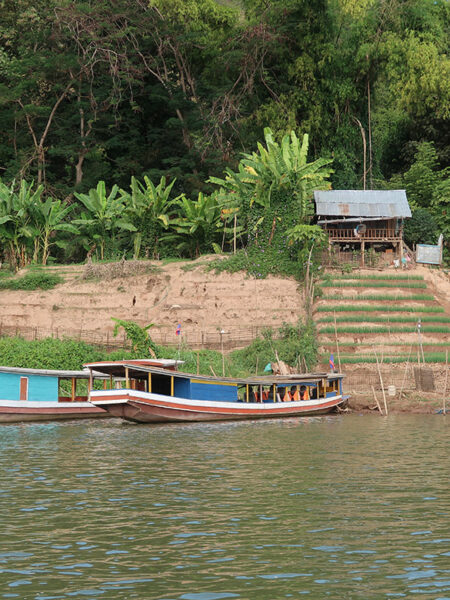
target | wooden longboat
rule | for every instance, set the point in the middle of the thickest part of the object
(39, 395)
(154, 395)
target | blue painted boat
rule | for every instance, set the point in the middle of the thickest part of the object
(43, 395)
(150, 393)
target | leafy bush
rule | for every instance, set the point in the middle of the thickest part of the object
(259, 262)
(32, 281)
(297, 346)
(47, 354)
(421, 228)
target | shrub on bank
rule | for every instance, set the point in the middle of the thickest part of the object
(32, 281)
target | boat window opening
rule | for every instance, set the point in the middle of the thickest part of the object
(331, 386)
(161, 384)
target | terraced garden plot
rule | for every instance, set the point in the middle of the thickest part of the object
(370, 319)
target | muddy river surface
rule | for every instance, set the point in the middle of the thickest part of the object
(353, 506)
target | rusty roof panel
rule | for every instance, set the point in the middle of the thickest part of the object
(358, 203)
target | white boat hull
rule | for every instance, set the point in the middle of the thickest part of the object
(15, 411)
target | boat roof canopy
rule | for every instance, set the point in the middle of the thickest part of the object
(139, 370)
(84, 374)
(117, 367)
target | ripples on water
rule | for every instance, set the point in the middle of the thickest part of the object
(340, 507)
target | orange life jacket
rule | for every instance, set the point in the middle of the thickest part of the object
(295, 396)
(304, 395)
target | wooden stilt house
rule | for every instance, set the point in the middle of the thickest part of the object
(360, 220)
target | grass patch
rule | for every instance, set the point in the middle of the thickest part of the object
(32, 281)
(379, 297)
(379, 308)
(387, 276)
(387, 284)
(426, 329)
(391, 319)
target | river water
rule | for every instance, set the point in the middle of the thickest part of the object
(353, 506)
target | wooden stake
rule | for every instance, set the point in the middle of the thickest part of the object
(376, 400)
(337, 343)
(198, 362)
(444, 400)
(212, 371)
(406, 370)
(381, 383)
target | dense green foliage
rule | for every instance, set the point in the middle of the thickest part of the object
(296, 346)
(47, 354)
(175, 91)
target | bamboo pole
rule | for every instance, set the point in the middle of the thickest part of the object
(376, 400)
(198, 362)
(406, 371)
(337, 342)
(381, 383)
(444, 400)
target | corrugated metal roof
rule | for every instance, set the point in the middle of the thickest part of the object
(359, 203)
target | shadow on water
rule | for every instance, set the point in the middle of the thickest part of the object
(338, 506)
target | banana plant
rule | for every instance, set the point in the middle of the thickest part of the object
(150, 208)
(50, 217)
(16, 229)
(104, 216)
(199, 225)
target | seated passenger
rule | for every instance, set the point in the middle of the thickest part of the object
(294, 393)
(287, 395)
(304, 394)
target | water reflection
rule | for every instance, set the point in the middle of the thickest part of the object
(345, 507)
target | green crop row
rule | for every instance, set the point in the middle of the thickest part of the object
(390, 319)
(430, 357)
(387, 343)
(391, 284)
(425, 329)
(379, 308)
(380, 297)
(390, 277)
